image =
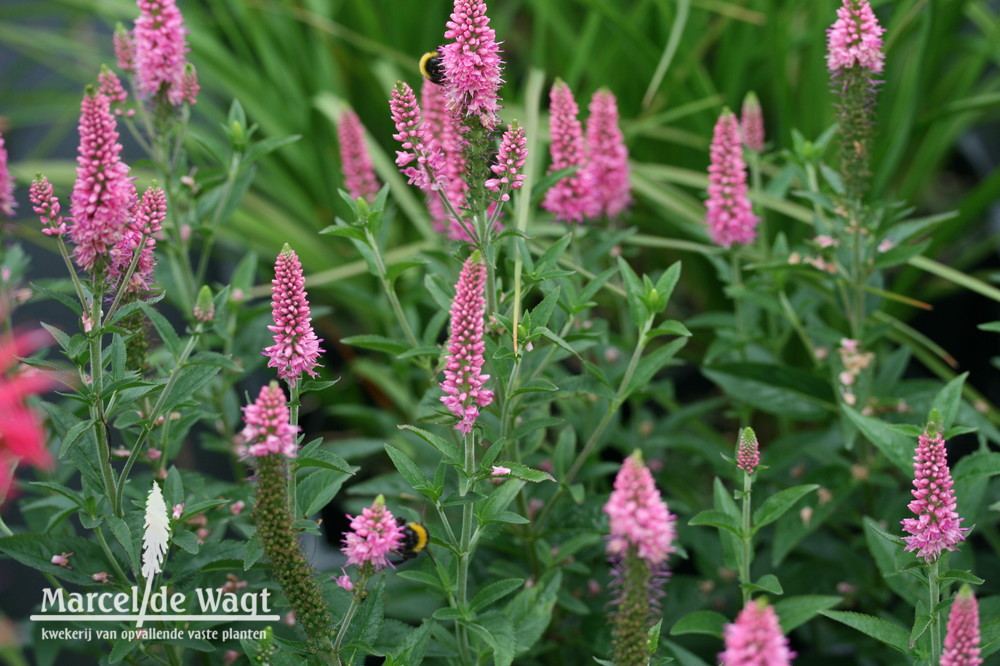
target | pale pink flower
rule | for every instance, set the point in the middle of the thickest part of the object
(345, 582)
(101, 577)
(936, 527)
(407, 119)
(463, 378)
(124, 48)
(442, 132)
(755, 639)
(103, 192)
(144, 225)
(570, 199)
(639, 516)
(296, 348)
(752, 123)
(748, 451)
(374, 534)
(236, 508)
(961, 644)
(46, 204)
(62, 560)
(202, 535)
(499, 470)
(266, 428)
(177, 511)
(7, 201)
(510, 160)
(729, 215)
(607, 167)
(472, 62)
(355, 162)
(160, 44)
(855, 39)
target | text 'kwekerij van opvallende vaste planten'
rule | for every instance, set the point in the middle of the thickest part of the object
(648, 369)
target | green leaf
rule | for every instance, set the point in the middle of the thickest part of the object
(325, 460)
(650, 365)
(447, 614)
(164, 329)
(494, 592)
(949, 399)
(717, 519)
(499, 636)
(796, 611)
(634, 291)
(785, 391)
(530, 610)
(962, 577)
(397, 269)
(767, 583)
(315, 490)
(700, 622)
(897, 447)
(123, 535)
(776, 505)
(409, 471)
(891, 538)
(36, 551)
(537, 385)
(519, 471)
(450, 451)
(881, 630)
(345, 232)
(255, 549)
(376, 342)
(669, 327)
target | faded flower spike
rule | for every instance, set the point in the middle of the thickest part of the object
(356, 163)
(374, 534)
(510, 160)
(267, 429)
(961, 644)
(159, 46)
(463, 378)
(855, 39)
(296, 348)
(936, 527)
(755, 639)
(752, 123)
(103, 192)
(747, 451)
(7, 202)
(472, 62)
(639, 516)
(570, 199)
(729, 215)
(607, 168)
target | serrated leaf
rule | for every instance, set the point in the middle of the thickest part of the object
(718, 519)
(795, 611)
(449, 450)
(768, 583)
(700, 622)
(325, 460)
(345, 232)
(525, 473)
(881, 630)
(898, 448)
(648, 366)
(781, 390)
(962, 577)
(409, 471)
(493, 592)
(164, 329)
(537, 385)
(776, 505)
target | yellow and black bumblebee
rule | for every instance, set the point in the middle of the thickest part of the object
(415, 539)
(432, 67)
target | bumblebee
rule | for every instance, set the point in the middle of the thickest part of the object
(415, 539)
(432, 67)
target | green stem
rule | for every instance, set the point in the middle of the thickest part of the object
(348, 616)
(747, 538)
(108, 554)
(97, 399)
(935, 598)
(294, 393)
(465, 543)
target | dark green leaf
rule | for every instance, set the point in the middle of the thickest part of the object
(494, 592)
(891, 634)
(700, 622)
(796, 611)
(717, 519)
(776, 505)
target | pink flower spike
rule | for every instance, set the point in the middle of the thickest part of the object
(748, 451)
(499, 470)
(7, 201)
(463, 378)
(607, 168)
(124, 49)
(570, 199)
(103, 192)
(510, 160)
(145, 224)
(296, 348)
(639, 516)
(160, 45)
(46, 204)
(752, 123)
(111, 87)
(407, 119)
(961, 644)
(855, 39)
(266, 428)
(729, 215)
(755, 638)
(443, 134)
(936, 527)
(374, 534)
(472, 63)
(355, 162)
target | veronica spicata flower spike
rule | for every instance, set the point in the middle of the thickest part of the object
(160, 44)
(570, 199)
(936, 527)
(124, 49)
(46, 204)
(755, 639)
(143, 227)
(443, 132)
(7, 202)
(855, 39)
(747, 451)
(374, 534)
(296, 348)
(356, 163)
(961, 644)
(407, 118)
(607, 166)
(103, 192)
(463, 378)
(510, 160)
(729, 215)
(266, 427)
(752, 123)
(472, 62)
